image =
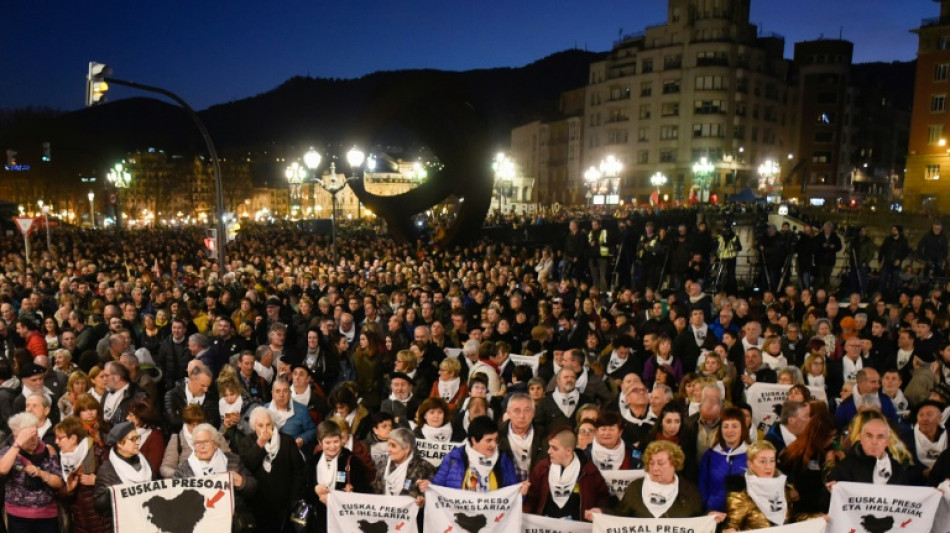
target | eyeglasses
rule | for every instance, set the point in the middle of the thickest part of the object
(136, 438)
(639, 390)
(204, 442)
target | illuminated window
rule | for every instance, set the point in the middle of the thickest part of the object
(934, 133)
(938, 103)
(932, 172)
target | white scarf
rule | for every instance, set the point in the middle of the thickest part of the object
(615, 362)
(659, 497)
(627, 413)
(700, 334)
(693, 408)
(815, 381)
(521, 448)
(870, 399)
(350, 418)
(127, 473)
(900, 403)
(326, 472)
(46, 425)
(482, 465)
(774, 362)
(448, 389)
(850, 368)
(882, 470)
(281, 417)
(189, 438)
(768, 495)
(394, 398)
(111, 403)
(218, 464)
(904, 357)
(439, 434)
(567, 403)
(143, 434)
(190, 398)
(562, 480)
(395, 478)
(739, 450)
(96, 395)
(270, 450)
(303, 398)
(226, 408)
(927, 451)
(605, 458)
(787, 435)
(581, 383)
(70, 461)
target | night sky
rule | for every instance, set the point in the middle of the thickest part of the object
(214, 52)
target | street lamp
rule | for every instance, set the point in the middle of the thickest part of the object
(92, 209)
(592, 177)
(610, 170)
(44, 208)
(333, 184)
(295, 175)
(504, 168)
(702, 170)
(658, 180)
(311, 160)
(767, 172)
(120, 179)
(355, 157)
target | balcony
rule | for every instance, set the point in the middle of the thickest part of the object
(935, 21)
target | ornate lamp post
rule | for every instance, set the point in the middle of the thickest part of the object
(610, 171)
(658, 180)
(504, 169)
(120, 179)
(92, 209)
(295, 175)
(702, 170)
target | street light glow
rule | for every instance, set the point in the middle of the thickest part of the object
(355, 157)
(312, 159)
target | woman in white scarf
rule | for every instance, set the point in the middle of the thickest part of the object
(208, 459)
(765, 501)
(449, 386)
(432, 422)
(278, 467)
(181, 444)
(405, 472)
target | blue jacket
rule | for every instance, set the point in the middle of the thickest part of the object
(774, 435)
(451, 472)
(713, 471)
(300, 425)
(847, 411)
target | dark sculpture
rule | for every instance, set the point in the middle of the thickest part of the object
(434, 107)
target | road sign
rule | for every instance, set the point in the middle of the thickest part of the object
(24, 223)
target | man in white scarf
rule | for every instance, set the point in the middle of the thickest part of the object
(562, 478)
(561, 404)
(521, 438)
(868, 461)
(930, 439)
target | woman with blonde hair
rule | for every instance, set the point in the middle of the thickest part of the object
(765, 500)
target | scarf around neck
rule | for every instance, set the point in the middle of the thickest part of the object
(606, 458)
(562, 480)
(395, 476)
(127, 472)
(218, 464)
(70, 461)
(768, 495)
(481, 466)
(659, 497)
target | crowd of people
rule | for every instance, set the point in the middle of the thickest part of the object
(133, 356)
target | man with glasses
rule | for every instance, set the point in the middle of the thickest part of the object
(638, 419)
(847, 367)
(866, 395)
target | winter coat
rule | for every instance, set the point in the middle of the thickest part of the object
(590, 486)
(689, 503)
(176, 400)
(742, 514)
(859, 468)
(300, 425)
(82, 513)
(452, 470)
(419, 469)
(713, 471)
(278, 489)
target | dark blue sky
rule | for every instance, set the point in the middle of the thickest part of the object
(214, 52)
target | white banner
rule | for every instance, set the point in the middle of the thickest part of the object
(198, 504)
(618, 524)
(454, 353)
(942, 521)
(371, 513)
(529, 360)
(532, 523)
(619, 480)
(462, 511)
(815, 525)
(881, 508)
(766, 400)
(434, 451)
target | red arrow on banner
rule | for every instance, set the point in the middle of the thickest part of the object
(214, 499)
(447, 529)
(909, 520)
(400, 525)
(499, 517)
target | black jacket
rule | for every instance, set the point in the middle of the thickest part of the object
(859, 468)
(176, 400)
(173, 358)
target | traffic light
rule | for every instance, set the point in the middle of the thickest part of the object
(96, 85)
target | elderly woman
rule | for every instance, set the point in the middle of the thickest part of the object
(449, 386)
(182, 444)
(765, 501)
(405, 473)
(63, 361)
(275, 462)
(80, 458)
(290, 417)
(661, 494)
(208, 459)
(125, 465)
(32, 475)
(76, 386)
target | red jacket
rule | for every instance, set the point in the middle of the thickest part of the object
(36, 344)
(592, 488)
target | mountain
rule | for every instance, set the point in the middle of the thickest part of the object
(302, 110)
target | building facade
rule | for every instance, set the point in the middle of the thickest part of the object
(928, 155)
(707, 85)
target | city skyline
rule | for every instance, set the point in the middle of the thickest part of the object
(212, 55)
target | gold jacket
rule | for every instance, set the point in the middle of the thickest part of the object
(742, 514)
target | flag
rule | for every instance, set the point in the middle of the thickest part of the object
(462, 511)
(766, 400)
(371, 513)
(532, 523)
(434, 451)
(197, 504)
(619, 524)
(619, 480)
(881, 508)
